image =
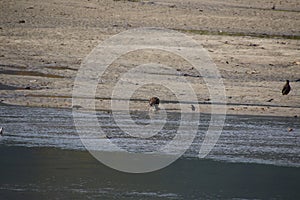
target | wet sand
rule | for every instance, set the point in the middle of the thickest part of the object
(35, 173)
(254, 44)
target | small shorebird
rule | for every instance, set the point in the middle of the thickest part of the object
(154, 102)
(193, 107)
(1, 131)
(286, 88)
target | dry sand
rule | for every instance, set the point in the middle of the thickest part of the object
(254, 45)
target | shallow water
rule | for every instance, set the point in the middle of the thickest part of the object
(246, 139)
(42, 157)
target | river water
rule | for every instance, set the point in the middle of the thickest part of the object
(42, 156)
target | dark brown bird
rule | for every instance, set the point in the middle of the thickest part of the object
(193, 107)
(154, 101)
(286, 88)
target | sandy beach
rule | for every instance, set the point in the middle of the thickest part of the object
(254, 44)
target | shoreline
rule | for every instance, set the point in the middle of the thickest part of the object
(244, 114)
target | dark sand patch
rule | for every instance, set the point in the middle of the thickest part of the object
(61, 68)
(30, 73)
(8, 87)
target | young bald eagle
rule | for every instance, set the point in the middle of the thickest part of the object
(154, 102)
(286, 88)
